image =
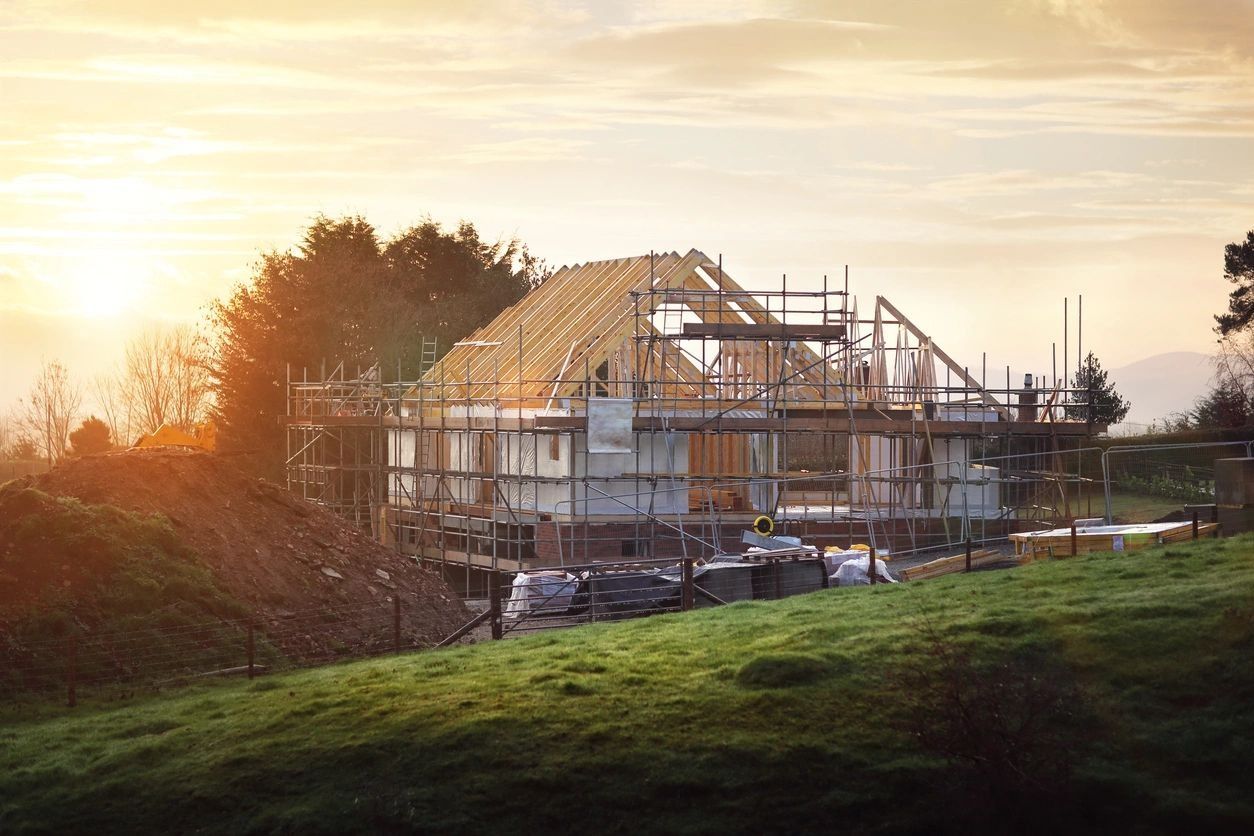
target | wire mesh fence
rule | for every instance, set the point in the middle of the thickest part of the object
(78, 661)
(1146, 482)
(990, 497)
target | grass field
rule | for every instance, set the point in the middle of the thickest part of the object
(1099, 693)
(1125, 507)
(1137, 508)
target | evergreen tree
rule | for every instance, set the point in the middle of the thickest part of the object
(1238, 269)
(92, 436)
(1098, 402)
(346, 296)
(1224, 407)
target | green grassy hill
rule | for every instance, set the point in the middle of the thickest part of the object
(1109, 692)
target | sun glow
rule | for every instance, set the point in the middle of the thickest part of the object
(106, 284)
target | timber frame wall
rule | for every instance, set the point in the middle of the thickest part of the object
(845, 427)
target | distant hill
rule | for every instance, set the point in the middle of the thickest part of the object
(1160, 385)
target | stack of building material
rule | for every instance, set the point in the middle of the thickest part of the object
(953, 563)
(1059, 542)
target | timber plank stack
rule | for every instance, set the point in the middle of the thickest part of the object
(951, 564)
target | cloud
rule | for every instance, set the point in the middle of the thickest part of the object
(946, 142)
(525, 150)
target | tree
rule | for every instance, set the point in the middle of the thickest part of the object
(48, 412)
(23, 450)
(1098, 402)
(1238, 269)
(1225, 407)
(165, 379)
(8, 435)
(454, 283)
(92, 436)
(345, 295)
(111, 395)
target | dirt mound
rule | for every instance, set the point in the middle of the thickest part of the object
(307, 577)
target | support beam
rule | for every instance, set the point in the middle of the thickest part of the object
(988, 399)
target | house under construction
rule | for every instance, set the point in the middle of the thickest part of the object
(653, 407)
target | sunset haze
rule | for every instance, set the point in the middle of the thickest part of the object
(978, 160)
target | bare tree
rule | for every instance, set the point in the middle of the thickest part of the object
(1234, 362)
(7, 435)
(48, 412)
(164, 380)
(191, 387)
(114, 401)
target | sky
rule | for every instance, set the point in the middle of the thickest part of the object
(974, 162)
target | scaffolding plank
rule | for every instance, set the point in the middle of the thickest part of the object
(755, 330)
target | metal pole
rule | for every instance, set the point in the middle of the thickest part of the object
(1106, 486)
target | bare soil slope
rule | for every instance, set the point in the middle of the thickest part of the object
(292, 563)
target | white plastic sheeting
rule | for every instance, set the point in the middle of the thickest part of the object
(545, 591)
(609, 425)
(854, 572)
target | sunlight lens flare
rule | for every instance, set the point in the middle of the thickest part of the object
(107, 284)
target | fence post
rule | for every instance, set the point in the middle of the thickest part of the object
(252, 655)
(1194, 523)
(71, 670)
(396, 623)
(686, 591)
(494, 601)
(968, 554)
(1074, 540)
(870, 566)
(779, 587)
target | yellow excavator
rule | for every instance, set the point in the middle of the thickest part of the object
(204, 436)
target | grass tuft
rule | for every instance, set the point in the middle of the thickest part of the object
(781, 670)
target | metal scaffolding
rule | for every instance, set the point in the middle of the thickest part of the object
(652, 407)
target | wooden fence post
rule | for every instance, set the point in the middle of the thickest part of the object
(870, 566)
(396, 623)
(494, 602)
(779, 586)
(1194, 523)
(71, 670)
(686, 592)
(592, 595)
(252, 655)
(968, 554)
(1074, 541)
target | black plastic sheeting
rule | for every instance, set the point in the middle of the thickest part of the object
(626, 594)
